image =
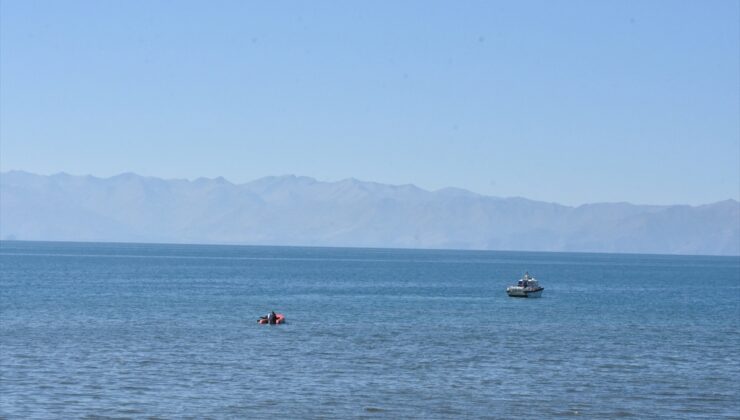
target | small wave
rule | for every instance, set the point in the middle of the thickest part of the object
(374, 410)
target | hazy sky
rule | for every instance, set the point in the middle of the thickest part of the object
(566, 101)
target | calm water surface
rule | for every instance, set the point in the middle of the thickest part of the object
(128, 330)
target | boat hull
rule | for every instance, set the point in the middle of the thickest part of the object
(518, 292)
(535, 294)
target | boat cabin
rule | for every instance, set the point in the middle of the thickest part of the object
(528, 281)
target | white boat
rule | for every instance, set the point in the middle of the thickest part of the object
(527, 287)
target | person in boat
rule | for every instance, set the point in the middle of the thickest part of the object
(272, 318)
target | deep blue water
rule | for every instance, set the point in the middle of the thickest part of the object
(129, 330)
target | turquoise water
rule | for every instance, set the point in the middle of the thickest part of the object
(124, 330)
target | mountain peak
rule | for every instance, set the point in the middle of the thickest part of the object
(456, 192)
(126, 176)
(216, 181)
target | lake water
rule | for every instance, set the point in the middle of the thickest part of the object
(132, 330)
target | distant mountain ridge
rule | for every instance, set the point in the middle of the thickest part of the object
(292, 210)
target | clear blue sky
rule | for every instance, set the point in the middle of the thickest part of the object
(565, 101)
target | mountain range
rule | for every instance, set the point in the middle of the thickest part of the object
(293, 210)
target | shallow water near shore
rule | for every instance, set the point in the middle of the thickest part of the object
(133, 330)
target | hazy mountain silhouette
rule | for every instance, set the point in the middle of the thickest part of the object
(290, 210)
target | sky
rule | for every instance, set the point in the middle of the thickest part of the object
(565, 101)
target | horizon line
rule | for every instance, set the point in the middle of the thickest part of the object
(376, 248)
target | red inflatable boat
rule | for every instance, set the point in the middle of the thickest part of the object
(279, 319)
